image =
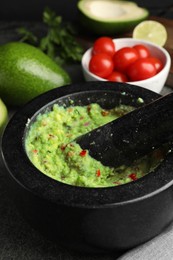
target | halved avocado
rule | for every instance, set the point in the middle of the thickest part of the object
(110, 16)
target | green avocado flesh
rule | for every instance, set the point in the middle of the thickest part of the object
(110, 16)
(26, 72)
(50, 147)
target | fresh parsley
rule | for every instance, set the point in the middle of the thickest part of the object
(59, 43)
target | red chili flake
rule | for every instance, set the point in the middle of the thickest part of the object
(63, 147)
(104, 113)
(35, 151)
(133, 176)
(82, 117)
(98, 173)
(86, 124)
(83, 153)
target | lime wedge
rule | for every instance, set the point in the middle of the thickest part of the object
(3, 115)
(151, 31)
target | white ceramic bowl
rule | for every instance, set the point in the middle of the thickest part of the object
(154, 83)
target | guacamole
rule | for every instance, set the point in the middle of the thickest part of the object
(50, 147)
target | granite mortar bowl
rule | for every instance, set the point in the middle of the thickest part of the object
(93, 220)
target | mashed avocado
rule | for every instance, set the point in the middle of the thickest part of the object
(50, 148)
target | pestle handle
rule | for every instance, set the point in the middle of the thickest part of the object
(132, 136)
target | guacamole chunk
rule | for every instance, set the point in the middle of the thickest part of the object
(50, 147)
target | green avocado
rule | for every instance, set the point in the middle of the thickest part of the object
(26, 72)
(3, 116)
(110, 17)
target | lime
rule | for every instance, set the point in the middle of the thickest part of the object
(151, 31)
(3, 115)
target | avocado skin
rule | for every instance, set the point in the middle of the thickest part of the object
(110, 28)
(3, 117)
(26, 72)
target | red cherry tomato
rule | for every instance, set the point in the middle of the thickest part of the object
(101, 65)
(124, 57)
(104, 45)
(158, 64)
(141, 69)
(117, 76)
(142, 50)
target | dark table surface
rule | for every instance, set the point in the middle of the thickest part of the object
(18, 240)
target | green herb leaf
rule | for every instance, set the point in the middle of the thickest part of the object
(27, 36)
(59, 43)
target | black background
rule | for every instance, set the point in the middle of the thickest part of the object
(32, 9)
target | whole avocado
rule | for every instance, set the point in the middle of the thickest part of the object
(3, 116)
(26, 72)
